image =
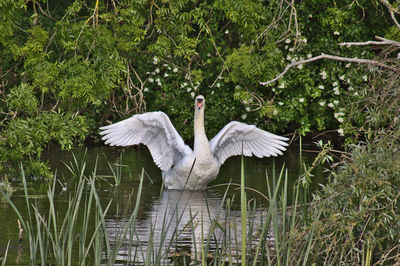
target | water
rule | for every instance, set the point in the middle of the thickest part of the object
(186, 210)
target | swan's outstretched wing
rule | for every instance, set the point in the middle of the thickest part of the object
(236, 137)
(155, 130)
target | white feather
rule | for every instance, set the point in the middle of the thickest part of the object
(175, 159)
(155, 130)
(255, 141)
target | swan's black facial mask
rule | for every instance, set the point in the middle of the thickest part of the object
(200, 103)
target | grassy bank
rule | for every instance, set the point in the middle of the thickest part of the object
(353, 219)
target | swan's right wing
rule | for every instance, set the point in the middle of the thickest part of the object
(239, 138)
(155, 130)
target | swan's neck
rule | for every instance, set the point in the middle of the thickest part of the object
(201, 144)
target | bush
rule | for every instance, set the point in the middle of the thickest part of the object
(360, 208)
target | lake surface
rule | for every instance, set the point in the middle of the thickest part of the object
(157, 205)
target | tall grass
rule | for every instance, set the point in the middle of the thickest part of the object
(262, 236)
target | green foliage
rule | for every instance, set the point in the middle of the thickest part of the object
(107, 60)
(360, 208)
(27, 137)
(22, 100)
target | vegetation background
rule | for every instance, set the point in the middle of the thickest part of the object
(68, 67)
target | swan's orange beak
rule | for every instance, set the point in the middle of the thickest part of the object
(200, 103)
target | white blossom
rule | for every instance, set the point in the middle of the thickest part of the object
(321, 87)
(334, 84)
(151, 80)
(275, 112)
(192, 94)
(330, 105)
(336, 91)
(208, 55)
(291, 49)
(157, 70)
(188, 89)
(350, 88)
(166, 75)
(248, 109)
(218, 85)
(341, 132)
(336, 115)
(301, 100)
(227, 32)
(288, 57)
(342, 77)
(335, 102)
(155, 60)
(348, 65)
(244, 116)
(305, 40)
(175, 70)
(309, 55)
(282, 85)
(280, 103)
(212, 93)
(287, 40)
(300, 66)
(336, 33)
(340, 120)
(365, 78)
(322, 103)
(323, 74)
(146, 89)
(355, 94)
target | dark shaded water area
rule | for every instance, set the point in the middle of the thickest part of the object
(155, 201)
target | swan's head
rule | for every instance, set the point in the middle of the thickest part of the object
(199, 102)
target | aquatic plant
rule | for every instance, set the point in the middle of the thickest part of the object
(359, 222)
(259, 236)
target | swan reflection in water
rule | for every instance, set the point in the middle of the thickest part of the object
(179, 223)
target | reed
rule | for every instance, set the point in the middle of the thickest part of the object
(261, 236)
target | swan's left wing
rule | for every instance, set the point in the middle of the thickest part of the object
(155, 130)
(237, 138)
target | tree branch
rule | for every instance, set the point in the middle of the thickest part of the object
(326, 56)
(382, 41)
(392, 10)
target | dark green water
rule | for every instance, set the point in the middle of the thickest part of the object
(152, 199)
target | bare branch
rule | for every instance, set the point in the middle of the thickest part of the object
(389, 6)
(395, 20)
(382, 41)
(392, 10)
(333, 57)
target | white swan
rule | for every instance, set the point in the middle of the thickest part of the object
(175, 159)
